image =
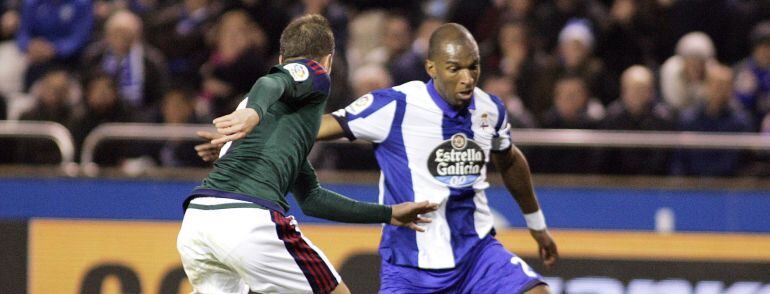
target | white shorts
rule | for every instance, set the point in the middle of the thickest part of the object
(237, 250)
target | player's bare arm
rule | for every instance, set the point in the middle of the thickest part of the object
(330, 129)
(514, 170)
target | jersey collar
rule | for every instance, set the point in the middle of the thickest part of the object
(444, 106)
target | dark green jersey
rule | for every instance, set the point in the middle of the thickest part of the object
(271, 160)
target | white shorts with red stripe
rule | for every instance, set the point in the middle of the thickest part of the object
(228, 247)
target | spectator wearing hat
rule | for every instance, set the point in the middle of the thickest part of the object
(683, 76)
(752, 83)
(575, 58)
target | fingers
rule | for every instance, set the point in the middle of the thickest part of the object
(415, 227)
(549, 255)
(229, 130)
(223, 119)
(208, 136)
(228, 138)
(426, 207)
(423, 220)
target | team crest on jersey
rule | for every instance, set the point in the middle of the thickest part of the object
(297, 71)
(361, 104)
(484, 120)
(457, 162)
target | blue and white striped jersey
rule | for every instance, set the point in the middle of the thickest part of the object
(429, 151)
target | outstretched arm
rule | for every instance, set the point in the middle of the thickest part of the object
(319, 202)
(514, 169)
(209, 151)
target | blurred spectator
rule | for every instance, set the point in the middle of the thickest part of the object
(571, 110)
(269, 15)
(410, 65)
(53, 92)
(683, 76)
(398, 35)
(366, 39)
(53, 32)
(504, 11)
(102, 104)
(237, 59)
(752, 85)
(511, 56)
(138, 68)
(629, 36)
(178, 107)
(368, 78)
(575, 58)
(720, 112)
(518, 115)
(179, 32)
(9, 20)
(335, 13)
(553, 15)
(572, 106)
(637, 110)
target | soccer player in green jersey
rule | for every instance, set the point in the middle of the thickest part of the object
(235, 236)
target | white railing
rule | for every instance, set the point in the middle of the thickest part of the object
(639, 139)
(521, 137)
(45, 130)
(134, 131)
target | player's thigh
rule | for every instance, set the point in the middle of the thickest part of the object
(276, 258)
(504, 272)
(204, 271)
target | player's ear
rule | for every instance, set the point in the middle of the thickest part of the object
(430, 67)
(326, 61)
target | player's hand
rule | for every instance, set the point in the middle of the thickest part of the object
(236, 125)
(407, 214)
(208, 151)
(547, 247)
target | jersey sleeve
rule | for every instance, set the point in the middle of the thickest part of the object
(370, 117)
(266, 91)
(501, 141)
(319, 202)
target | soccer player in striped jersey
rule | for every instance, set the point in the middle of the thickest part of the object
(235, 237)
(433, 141)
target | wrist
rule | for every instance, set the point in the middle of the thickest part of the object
(535, 221)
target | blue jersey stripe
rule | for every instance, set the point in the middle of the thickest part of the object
(391, 155)
(460, 206)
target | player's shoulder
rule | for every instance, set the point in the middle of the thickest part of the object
(485, 99)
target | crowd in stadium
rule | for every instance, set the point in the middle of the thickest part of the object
(662, 65)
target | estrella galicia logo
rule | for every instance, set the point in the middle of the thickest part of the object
(456, 162)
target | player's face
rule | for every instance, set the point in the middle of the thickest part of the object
(455, 72)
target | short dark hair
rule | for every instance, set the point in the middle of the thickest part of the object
(309, 36)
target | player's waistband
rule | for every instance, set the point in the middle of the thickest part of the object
(230, 195)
